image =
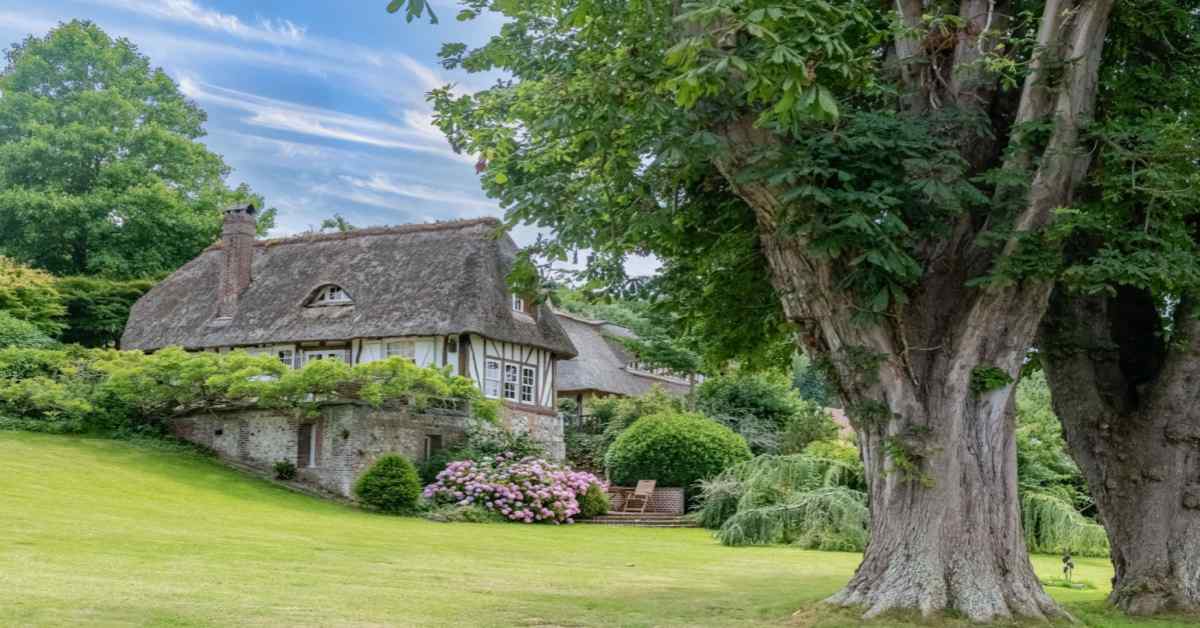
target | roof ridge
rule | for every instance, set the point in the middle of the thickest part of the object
(595, 322)
(423, 227)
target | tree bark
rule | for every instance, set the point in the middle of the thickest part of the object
(1129, 406)
(940, 456)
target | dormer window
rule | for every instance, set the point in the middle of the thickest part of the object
(329, 295)
(518, 304)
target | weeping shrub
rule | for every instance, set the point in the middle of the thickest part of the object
(803, 499)
(1053, 526)
(818, 500)
(834, 518)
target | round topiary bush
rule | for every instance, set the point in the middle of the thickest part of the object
(390, 485)
(676, 449)
(594, 502)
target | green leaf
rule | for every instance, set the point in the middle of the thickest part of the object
(826, 101)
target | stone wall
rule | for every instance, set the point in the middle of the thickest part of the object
(349, 438)
(544, 426)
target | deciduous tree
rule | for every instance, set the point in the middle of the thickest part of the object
(1121, 342)
(885, 177)
(101, 168)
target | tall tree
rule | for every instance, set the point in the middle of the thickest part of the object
(101, 170)
(888, 173)
(1121, 342)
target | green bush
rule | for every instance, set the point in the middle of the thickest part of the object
(810, 424)
(74, 389)
(285, 470)
(29, 294)
(766, 410)
(587, 450)
(453, 513)
(484, 440)
(593, 503)
(390, 485)
(676, 449)
(15, 332)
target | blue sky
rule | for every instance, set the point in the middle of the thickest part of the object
(318, 105)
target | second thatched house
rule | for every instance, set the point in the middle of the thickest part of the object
(606, 368)
(432, 293)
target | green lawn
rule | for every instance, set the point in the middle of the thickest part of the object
(103, 532)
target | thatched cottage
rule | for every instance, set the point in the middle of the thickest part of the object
(605, 368)
(433, 293)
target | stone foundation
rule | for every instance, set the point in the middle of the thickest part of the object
(544, 426)
(349, 437)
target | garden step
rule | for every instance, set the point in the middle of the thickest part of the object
(647, 520)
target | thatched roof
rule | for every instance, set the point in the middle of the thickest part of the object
(412, 280)
(601, 365)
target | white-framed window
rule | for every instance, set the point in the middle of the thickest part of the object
(511, 379)
(406, 349)
(287, 356)
(518, 304)
(491, 378)
(528, 384)
(330, 295)
(324, 354)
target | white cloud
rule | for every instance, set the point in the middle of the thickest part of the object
(387, 185)
(25, 23)
(282, 32)
(325, 123)
(379, 72)
(283, 28)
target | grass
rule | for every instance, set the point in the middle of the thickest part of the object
(103, 532)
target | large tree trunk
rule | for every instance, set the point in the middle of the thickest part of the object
(939, 453)
(1128, 403)
(940, 456)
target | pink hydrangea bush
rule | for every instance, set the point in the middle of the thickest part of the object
(526, 490)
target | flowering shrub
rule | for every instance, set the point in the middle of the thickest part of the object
(524, 490)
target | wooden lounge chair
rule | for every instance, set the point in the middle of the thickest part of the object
(639, 497)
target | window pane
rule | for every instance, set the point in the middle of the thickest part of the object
(402, 348)
(510, 381)
(528, 380)
(491, 383)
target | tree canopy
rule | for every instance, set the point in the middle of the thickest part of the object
(884, 182)
(101, 167)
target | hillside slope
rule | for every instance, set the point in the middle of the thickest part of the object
(102, 532)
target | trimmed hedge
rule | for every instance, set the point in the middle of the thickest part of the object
(676, 449)
(390, 485)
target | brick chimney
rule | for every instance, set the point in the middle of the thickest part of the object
(237, 243)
